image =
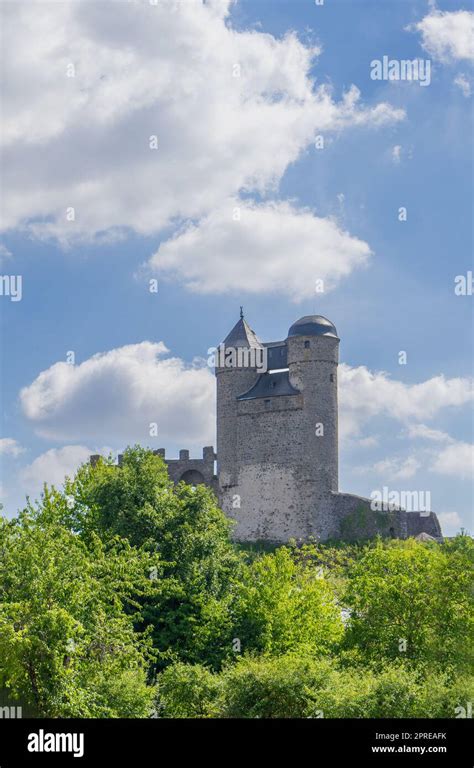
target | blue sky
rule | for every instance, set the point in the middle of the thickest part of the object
(245, 141)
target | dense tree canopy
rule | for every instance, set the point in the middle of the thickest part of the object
(414, 601)
(68, 645)
(282, 605)
(124, 595)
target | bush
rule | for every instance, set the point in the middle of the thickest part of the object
(186, 691)
(292, 686)
(273, 687)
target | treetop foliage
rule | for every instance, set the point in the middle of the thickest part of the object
(122, 595)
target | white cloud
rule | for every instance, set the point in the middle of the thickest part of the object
(10, 447)
(463, 83)
(396, 153)
(114, 396)
(52, 467)
(220, 254)
(368, 442)
(450, 523)
(141, 70)
(364, 395)
(396, 468)
(447, 36)
(5, 254)
(456, 460)
(426, 433)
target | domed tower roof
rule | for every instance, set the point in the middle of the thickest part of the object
(313, 325)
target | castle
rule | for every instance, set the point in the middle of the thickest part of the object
(277, 443)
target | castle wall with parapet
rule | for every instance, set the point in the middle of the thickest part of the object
(179, 467)
(185, 468)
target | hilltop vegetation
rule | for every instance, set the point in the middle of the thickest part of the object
(124, 596)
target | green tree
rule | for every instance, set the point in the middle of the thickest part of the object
(123, 574)
(191, 614)
(67, 641)
(413, 601)
(284, 603)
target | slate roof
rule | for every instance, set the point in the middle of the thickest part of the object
(270, 385)
(242, 335)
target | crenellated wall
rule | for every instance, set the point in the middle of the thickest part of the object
(191, 471)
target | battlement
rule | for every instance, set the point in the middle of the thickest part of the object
(208, 454)
(191, 471)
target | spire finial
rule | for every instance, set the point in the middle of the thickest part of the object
(241, 313)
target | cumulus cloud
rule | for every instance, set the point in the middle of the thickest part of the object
(244, 246)
(10, 447)
(114, 396)
(91, 89)
(364, 394)
(450, 523)
(396, 468)
(447, 36)
(118, 397)
(456, 460)
(464, 84)
(52, 467)
(426, 433)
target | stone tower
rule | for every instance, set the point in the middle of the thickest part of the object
(277, 444)
(277, 454)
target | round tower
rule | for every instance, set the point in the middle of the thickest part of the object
(313, 356)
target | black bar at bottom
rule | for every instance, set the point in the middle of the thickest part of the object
(159, 742)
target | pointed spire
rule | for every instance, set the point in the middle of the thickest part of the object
(242, 335)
